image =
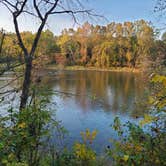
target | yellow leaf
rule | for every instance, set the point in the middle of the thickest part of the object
(125, 157)
(147, 119)
(22, 125)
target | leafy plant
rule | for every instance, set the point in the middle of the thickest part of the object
(144, 144)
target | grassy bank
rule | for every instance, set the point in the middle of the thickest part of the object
(82, 68)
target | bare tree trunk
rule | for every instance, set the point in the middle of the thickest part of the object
(26, 83)
(2, 40)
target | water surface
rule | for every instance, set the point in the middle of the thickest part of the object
(92, 99)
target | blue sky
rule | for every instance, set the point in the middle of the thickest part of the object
(122, 10)
(113, 10)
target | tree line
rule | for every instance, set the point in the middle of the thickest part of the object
(128, 44)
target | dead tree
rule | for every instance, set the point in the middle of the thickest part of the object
(40, 9)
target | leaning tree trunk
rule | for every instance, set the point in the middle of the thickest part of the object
(26, 83)
(2, 40)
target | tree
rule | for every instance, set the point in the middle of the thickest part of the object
(41, 10)
(47, 44)
(164, 37)
(2, 37)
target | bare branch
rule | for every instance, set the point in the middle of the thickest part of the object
(8, 4)
(8, 91)
(11, 82)
(34, 45)
(10, 68)
(18, 12)
(52, 8)
(37, 10)
(21, 44)
(72, 12)
(30, 13)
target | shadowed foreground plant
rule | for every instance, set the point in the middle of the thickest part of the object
(143, 144)
(21, 135)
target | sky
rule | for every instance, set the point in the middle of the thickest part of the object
(113, 10)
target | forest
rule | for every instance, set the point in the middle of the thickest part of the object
(129, 44)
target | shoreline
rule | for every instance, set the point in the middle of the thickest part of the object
(82, 68)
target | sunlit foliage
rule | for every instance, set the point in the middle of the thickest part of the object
(128, 44)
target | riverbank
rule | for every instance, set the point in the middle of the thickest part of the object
(82, 68)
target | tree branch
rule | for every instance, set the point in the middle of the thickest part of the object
(18, 12)
(72, 12)
(11, 67)
(37, 10)
(6, 3)
(21, 44)
(52, 8)
(34, 45)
